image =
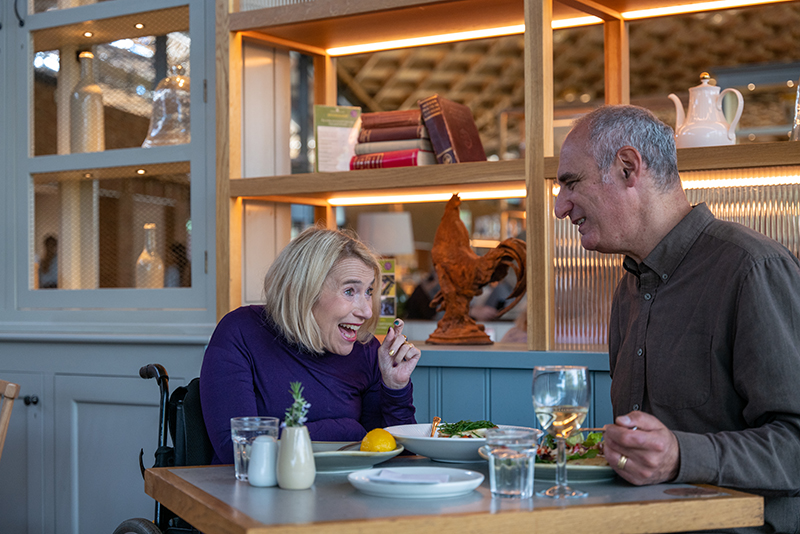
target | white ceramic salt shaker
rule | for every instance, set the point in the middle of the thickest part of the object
(263, 458)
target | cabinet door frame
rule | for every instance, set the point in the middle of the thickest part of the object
(121, 308)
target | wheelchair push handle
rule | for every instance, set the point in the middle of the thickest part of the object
(153, 370)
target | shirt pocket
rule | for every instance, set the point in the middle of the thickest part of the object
(679, 375)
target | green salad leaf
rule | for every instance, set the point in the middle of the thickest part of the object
(591, 440)
(451, 429)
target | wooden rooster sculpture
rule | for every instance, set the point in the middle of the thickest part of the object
(462, 274)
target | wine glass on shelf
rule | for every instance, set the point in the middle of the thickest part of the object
(561, 401)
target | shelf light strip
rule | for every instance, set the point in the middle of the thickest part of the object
(429, 40)
(425, 197)
(556, 25)
(694, 8)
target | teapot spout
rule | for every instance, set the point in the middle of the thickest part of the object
(679, 115)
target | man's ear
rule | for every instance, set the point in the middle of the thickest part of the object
(629, 165)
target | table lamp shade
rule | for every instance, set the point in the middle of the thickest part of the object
(388, 233)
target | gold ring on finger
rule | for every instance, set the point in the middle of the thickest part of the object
(623, 461)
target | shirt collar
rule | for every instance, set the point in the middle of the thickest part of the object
(670, 251)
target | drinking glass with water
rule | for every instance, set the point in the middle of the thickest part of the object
(512, 455)
(244, 430)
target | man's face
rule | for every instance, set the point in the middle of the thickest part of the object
(598, 208)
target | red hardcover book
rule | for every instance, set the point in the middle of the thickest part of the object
(390, 119)
(396, 158)
(453, 132)
(372, 135)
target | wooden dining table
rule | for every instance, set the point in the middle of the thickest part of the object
(214, 502)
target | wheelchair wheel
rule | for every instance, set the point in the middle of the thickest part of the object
(137, 525)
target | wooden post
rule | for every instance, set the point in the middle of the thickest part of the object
(539, 144)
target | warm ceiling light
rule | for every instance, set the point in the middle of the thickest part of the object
(138, 26)
(430, 40)
(87, 34)
(424, 197)
(574, 23)
(87, 175)
(694, 8)
(790, 179)
(140, 171)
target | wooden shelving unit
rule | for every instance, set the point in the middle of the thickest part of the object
(316, 26)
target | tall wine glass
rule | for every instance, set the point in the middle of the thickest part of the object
(561, 401)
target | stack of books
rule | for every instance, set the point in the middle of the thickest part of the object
(438, 131)
(392, 139)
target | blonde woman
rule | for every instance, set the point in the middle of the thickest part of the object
(316, 327)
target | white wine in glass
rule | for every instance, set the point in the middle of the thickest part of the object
(561, 396)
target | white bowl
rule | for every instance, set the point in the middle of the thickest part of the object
(416, 438)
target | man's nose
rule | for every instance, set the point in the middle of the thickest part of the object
(562, 205)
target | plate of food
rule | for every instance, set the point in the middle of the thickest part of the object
(454, 442)
(585, 460)
(452, 482)
(329, 459)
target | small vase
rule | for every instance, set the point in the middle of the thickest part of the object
(149, 265)
(296, 468)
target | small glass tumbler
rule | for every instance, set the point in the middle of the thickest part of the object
(244, 430)
(512, 454)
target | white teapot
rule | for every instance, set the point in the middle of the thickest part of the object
(705, 124)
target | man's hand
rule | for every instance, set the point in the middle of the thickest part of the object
(651, 449)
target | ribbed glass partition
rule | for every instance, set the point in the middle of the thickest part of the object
(767, 200)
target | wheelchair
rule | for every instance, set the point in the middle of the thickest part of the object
(181, 416)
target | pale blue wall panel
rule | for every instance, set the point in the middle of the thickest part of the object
(464, 394)
(511, 401)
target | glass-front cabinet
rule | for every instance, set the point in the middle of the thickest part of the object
(111, 154)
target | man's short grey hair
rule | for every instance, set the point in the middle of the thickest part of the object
(610, 128)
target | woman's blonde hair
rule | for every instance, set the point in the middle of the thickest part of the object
(294, 283)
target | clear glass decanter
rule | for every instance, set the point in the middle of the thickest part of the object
(149, 266)
(169, 123)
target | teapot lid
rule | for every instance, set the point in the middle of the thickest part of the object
(705, 76)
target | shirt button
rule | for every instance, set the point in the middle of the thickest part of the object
(647, 296)
(639, 352)
(635, 407)
(664, 276)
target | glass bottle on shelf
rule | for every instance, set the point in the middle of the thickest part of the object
(149, 266)
(169, 123)
(795, 135)
(87, 129)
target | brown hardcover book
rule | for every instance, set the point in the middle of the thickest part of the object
(389, 119)
(453, 132)
(372, 135)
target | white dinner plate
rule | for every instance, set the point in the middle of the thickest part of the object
(575, 473)
(328, 459)
(460, 482)
(416, 438)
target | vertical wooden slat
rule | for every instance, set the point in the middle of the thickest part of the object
(222, 62)
(539, 144)
(617, 62)
(325, 94)
(325, 80)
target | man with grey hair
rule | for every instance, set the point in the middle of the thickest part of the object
(704, 336)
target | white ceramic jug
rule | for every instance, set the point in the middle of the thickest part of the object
(704, 124)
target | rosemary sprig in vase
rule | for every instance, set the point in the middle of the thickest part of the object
(296, 468)
(297, 413)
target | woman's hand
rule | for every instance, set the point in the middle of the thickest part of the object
(397, 357)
